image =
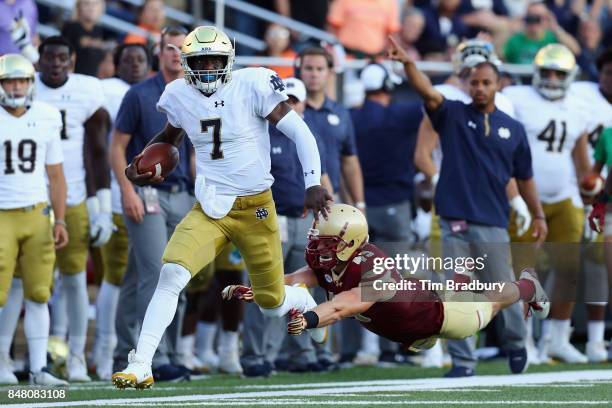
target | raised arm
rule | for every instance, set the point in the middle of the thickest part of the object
(419, 81)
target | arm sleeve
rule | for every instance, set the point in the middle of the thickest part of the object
(322, 152)
(128, 116)
(522, 157)
(165, 105)
(269, 91)
(55, 154)
(296, 129)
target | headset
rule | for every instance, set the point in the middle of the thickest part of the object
(387, 85)
(297, 64)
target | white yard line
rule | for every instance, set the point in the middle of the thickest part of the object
(351, 387)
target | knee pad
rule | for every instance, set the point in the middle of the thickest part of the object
(173, 278)
(39, 294)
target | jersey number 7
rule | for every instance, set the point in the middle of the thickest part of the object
(216, 153)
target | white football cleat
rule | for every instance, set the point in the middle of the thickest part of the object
(596, 352)
(77, 368)
(540, 305)
(561, 349)
(533, 354)
(365, 359)
(7, 377)
(207, 362)
(137, 374)
(229, 362)
(433, 357)
(45, 378)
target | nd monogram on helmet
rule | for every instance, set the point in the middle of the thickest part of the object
(203, 42)
(15, 66)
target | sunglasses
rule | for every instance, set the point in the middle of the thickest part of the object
(533, 19)
(174, 30)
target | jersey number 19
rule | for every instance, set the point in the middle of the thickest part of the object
(26, 151)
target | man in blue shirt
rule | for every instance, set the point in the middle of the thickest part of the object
(483, 148)
(385, 132)
(151, 213)
(263, 337)
(314, 66)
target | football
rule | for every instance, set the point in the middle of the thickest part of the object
(159, 158)
(591, 184)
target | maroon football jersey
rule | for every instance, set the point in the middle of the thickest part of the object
(408, 316)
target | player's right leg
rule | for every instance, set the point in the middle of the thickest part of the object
(72, 262)
(195, 243)
(115, 260)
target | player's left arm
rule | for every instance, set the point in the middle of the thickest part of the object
(293, 126)
(345, 304)
(97, 167)
(580, 154)
(57, 194)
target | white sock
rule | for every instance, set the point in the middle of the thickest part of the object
(295, 298)
(162, 308)
(59, 312)
(36, 326)
(186, 345)
(205, 337)
(228, 342)
(106, 312)
(369, 342)
(75, 288)
(595, 330)
(10, 315)
(560, 330)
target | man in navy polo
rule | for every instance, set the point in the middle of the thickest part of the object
(263, 337)
(483, 148)
(151, 213)
(314, 66)
(385, 132)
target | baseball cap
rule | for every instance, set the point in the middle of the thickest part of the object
(295, 87)
(373, 77)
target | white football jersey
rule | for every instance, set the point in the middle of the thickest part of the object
(600, 109)
(453, 93)
(114, 91)
(229, 133)
(29, 143)
(552, 127)
(77, 100)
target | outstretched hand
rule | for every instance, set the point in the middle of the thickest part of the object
(239, 292)
(396, 53)
(318, 200)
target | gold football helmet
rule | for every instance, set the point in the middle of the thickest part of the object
(554, 57)
(336, 239)
(15, 66)
(470, 53)
(201, 42)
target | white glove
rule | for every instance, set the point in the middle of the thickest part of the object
(20, 34)
(434, 180)
(523, 216)
(101, 225)
(588, 234)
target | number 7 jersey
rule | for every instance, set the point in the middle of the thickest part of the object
(553, 128)
(28, 144)
(229, 132)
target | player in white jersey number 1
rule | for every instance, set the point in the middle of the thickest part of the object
(225, 114)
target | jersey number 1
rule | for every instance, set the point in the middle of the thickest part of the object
(216, 153)
(549, 135)
(26, 150)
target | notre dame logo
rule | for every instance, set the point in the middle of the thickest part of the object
(261, 213)
(277, 83)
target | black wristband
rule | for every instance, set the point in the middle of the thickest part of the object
(312, 319)
(603, 198)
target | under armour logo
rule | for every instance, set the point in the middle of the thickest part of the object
(306, 173)
(277, 83)
(277, 150)
(217, 104)
(261, 213)
(471, 124)
(65, 97)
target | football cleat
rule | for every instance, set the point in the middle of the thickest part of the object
(561, 349)
(539, 305)
(433, 357)
(136, 375)
(596, 352)
(7, 377)
(206, 362)
(229, 362)
(44, 377)
(365, 359)
(77, 369)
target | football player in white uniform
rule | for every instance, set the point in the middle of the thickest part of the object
(599, 97)
(225, 115)
(132, 64)
(28, 238)
(556, 125)
(80, 100)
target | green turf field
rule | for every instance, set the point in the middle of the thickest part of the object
(554, 385)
